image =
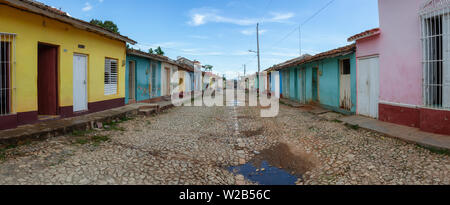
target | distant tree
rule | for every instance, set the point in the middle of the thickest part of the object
(159, 51)
(151, 51)
(108, 25)
(208, 68)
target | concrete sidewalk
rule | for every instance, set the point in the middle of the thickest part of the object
(57, 127)
(409, 134)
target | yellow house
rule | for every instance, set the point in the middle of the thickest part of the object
(56, 66)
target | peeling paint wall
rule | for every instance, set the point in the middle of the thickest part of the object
(143, 78)
(328, 82)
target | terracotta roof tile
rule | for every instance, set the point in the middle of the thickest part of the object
(364, 34)
(298, 61)
(51, 12)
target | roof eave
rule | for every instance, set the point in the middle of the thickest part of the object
(140, 54)
(356, 38)
(70, 20)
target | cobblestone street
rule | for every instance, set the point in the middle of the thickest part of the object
(197, 145)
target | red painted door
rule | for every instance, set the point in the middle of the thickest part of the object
(47, 80)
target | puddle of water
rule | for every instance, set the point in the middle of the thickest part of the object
(270, 176)
(283, 164)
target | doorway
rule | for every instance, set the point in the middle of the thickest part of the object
(80, 102)
(315, 84)
(345, 97)
(131, 81)
(368, 86)
(303, 85)
(47, 80)
(167, 71)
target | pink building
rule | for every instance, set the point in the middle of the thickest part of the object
(411, 54)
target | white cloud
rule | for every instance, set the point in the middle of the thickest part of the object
(205, 15)
(178, 47)
(198, 19)
(252, 31)
(101, 1)
(87, 7)
(281, 16)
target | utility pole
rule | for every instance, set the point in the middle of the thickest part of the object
(244, 69)
(259, 61)
(300, 39)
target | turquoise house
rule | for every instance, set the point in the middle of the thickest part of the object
(143, 77)
(327, 79)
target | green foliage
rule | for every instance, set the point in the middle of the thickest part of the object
(336, 121)
(99, 139)
(353, 127)
(159, 51)
(79, 133)
(208, 68)
(108, 25)
(151, 51)
(436, 150)
(93, 140)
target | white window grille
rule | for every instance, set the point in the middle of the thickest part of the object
(435, 20)
(7, 73)
(110, 76)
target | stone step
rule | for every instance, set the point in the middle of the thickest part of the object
(150, 106)
(148, 111)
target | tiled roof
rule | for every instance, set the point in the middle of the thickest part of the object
(288, 62)
(364, 34)
(331, 53)
(50, 12)
(161, 58)
(147, 55)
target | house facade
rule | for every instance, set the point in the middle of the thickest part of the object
(143, 77)
(368, 72)
(414, 64)
(56, 66)
(327, 79)
(169, 68)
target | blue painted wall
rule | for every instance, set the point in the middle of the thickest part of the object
(329, 82)
(143, 80)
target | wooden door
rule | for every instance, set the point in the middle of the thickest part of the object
(315, 85)
(47, 80)
(168, 91)
(80, 101)
(345, 97)
(132, 80)
(368, 86)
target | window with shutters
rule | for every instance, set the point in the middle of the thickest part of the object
(7, 46)
(435, 20)
(111, 73)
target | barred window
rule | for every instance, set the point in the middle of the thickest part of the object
(110, 76)
(7, 45)
(435, 20)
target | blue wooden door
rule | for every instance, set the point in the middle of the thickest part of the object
(314, 85)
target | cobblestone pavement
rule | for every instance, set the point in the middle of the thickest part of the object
(196, 145)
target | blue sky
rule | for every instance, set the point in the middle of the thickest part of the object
(220, 32)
